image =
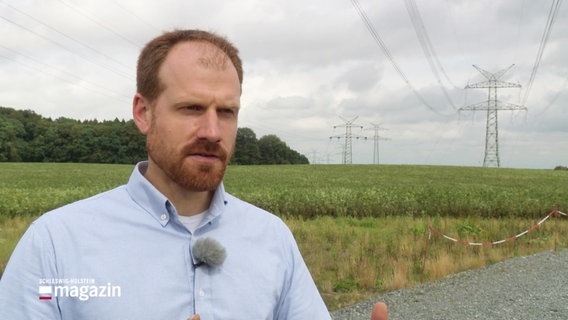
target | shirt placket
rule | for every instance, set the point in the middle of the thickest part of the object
(202, 292)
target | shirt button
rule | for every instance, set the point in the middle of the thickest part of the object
(201, 293)
(163, 217)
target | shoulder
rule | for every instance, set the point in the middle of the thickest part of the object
(250, 210)
(84, 208)
(248, 215)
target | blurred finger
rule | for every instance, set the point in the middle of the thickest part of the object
(379, 311)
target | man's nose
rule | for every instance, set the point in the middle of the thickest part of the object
(209, 127)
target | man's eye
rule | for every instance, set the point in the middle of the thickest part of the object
(193, 107)
(228, 112)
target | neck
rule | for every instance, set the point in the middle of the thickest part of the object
(191, 203)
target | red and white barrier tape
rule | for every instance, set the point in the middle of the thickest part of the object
(499, 241)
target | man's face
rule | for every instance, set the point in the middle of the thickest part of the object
(193, 127)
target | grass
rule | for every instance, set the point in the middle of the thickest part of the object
(30, 189)
(362, 229)
(357, 258)
(10, 232)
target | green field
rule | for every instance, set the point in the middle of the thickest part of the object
(310, 191)
(361, 228)
(416, 191)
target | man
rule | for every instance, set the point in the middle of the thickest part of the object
(131, 253)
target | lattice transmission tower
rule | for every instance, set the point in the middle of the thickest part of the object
(376, 138)
(348, 136)
(492, 106)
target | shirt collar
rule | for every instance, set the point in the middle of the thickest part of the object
(158, 205)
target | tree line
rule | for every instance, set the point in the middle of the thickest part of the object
(28, 137)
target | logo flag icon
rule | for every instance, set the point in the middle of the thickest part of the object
(44, 292)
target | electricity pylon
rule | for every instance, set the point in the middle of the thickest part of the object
(492, 105)
(348, 148)
(376, 138)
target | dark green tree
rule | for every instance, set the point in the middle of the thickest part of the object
(246, 152)
(12, 133)
(132, 143)
(275, 151)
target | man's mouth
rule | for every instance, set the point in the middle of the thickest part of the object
(206, 156)
(207, 153)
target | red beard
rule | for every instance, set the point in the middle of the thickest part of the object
(177, 165)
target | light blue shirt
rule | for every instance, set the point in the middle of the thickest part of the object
(124, 254)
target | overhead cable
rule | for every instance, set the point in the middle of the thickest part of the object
(549, 23)
(427, 47)
(387, 53)
(62, 46)
(111, 30)
(89, 47)
(77, 81)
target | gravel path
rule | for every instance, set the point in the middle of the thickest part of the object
(532, 287)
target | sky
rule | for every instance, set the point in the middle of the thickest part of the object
(311, 67)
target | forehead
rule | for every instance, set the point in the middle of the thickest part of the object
(199, 66)
(201, 53)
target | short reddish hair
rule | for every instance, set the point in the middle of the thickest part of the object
(148, 83)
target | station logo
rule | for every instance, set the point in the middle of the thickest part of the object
(82, 289)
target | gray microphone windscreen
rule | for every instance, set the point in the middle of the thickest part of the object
(209, 251)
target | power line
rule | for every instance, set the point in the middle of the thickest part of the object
(45, 70)
(91, 48)
(62, 46)
(133, 14)
(372, 30)
(93, 19)
(549, 23)
(427, 47)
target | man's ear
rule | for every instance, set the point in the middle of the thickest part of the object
(141, 113)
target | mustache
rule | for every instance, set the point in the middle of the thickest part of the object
(206, 148)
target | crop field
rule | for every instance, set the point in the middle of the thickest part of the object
(361, 228)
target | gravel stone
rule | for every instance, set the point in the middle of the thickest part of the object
(531, 287)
